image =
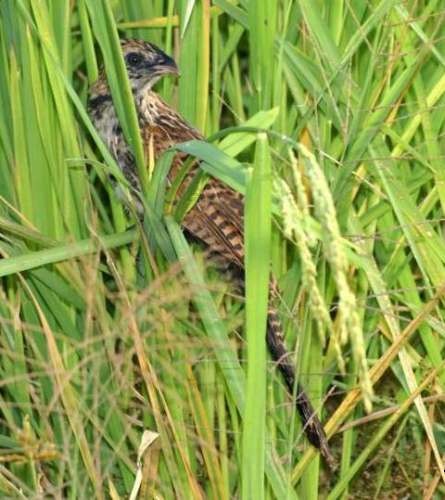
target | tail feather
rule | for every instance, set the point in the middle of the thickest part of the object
(277, 349)
(311, 423)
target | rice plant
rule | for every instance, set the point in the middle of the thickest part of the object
(129, 367)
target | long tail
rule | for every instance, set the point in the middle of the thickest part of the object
(311, 423)
(277, 349)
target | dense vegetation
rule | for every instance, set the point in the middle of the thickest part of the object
(115, 337)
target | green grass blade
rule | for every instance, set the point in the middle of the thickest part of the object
(258, 234)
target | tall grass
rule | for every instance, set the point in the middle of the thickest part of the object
(124, 365)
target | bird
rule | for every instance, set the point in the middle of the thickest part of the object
(217, 218)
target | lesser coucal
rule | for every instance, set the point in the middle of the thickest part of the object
(217, 218)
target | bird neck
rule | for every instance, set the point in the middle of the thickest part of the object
(149, 106)
(154, 112)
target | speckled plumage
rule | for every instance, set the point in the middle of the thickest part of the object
(217, 218)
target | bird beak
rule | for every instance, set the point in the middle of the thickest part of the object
(166, 66)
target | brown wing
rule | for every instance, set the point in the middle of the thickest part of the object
(229, 202)
(217, 220)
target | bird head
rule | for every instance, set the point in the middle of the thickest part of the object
(146, 63)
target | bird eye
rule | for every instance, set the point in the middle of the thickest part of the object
(134, 58)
